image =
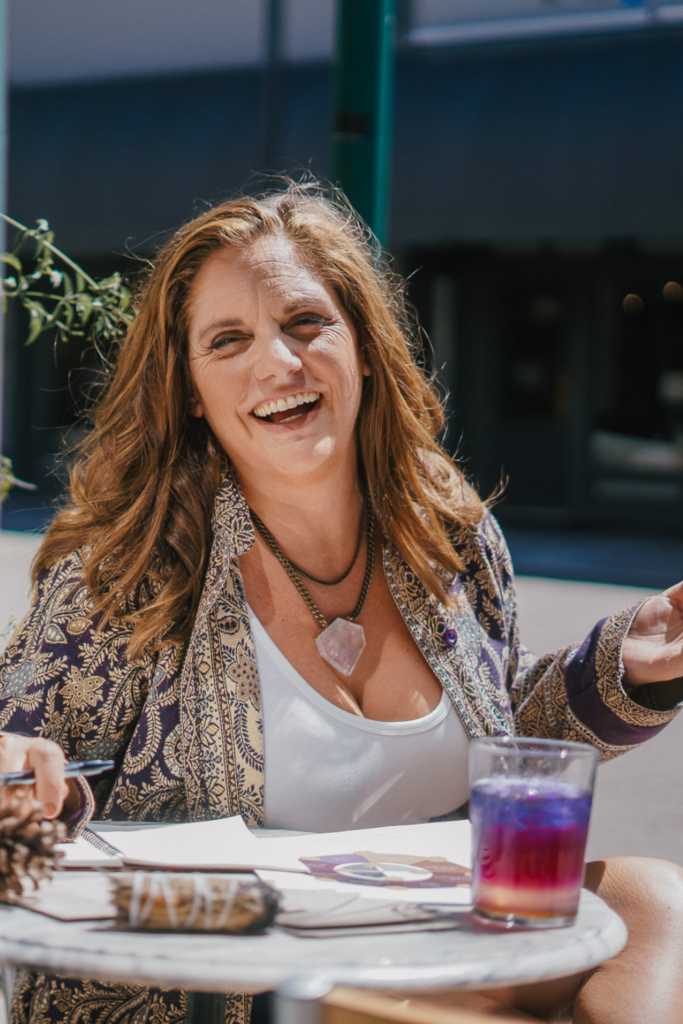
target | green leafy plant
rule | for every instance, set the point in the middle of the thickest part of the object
(8, 480)
(58, 294)
(60, 298)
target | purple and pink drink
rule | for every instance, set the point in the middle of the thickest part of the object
(529, 839)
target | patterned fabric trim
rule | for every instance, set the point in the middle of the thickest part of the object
(608, 663)
(575, 692)
(222, 729)
(594, 690)
(84, 812)
(467, 672)
(49, 999)
(231, 518)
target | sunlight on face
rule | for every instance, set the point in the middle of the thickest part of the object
(274, 361)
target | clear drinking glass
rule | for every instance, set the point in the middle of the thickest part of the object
(530, 806)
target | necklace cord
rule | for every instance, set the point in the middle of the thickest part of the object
(313, 579)
(292, 570)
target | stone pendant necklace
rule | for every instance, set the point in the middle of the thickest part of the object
(341, 642)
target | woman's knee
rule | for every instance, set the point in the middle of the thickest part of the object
(646, 893)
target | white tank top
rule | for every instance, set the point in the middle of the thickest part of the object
(327, 770)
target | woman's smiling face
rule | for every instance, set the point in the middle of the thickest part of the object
(274, 361)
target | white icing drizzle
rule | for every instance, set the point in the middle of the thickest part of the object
(203, 900)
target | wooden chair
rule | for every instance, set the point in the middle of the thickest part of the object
(352, 1006)
(355, 1006)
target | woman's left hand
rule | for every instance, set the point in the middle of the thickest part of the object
(653, 649)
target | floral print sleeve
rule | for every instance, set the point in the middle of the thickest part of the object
(63, 679)
(576, 692)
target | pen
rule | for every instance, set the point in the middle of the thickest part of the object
(73, 768)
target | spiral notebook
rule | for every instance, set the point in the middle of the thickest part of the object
(424, 863)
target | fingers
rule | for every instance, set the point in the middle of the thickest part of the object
(675, 595)
(46, 760)
(13, 752)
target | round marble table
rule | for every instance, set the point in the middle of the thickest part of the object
(467, 957)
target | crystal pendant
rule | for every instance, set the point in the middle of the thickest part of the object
(341, 645)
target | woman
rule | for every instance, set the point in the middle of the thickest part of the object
(263, 466)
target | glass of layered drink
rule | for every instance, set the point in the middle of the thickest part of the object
(530, 806)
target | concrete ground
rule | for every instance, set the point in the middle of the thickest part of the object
(638, 806)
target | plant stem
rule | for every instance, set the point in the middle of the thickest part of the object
(53, 249)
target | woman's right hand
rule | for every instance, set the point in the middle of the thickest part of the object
(46, 760)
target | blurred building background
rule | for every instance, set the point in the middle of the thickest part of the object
(537, 203)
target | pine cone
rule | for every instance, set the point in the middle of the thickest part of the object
(27, 844)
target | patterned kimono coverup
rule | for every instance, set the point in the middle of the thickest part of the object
(185, 728)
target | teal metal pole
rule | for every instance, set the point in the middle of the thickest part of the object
(364, 71)
(270, 91)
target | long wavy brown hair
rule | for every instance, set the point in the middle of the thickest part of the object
(144, 479)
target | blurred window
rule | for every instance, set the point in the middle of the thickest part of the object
(441, 12)
(453, 12)
(534, 390)
(636, 446)
(565, 372)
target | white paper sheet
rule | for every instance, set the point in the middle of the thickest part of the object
(288, 883)
(227, 843)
